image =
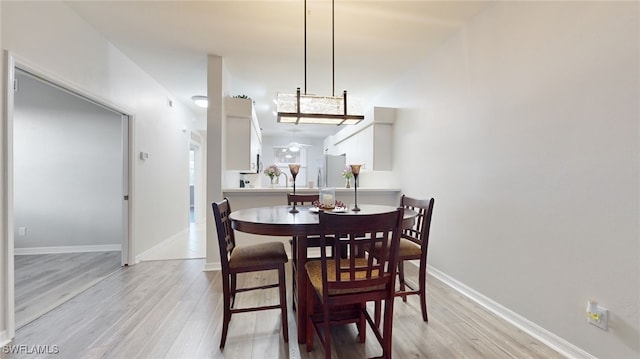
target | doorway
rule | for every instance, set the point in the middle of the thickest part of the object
(70, 193)
(197, 177)
(192, 183)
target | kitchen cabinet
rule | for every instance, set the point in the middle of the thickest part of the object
(369, 143)
(243, 135)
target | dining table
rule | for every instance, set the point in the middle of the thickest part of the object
(279, 221)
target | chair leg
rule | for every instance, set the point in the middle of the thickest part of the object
(294, 268)
(388, 327)
(226, 317)
(422, 278)
(283, 302)
(377, 313)
(403, 286)
(327, 334)
(233, 289)
(310, 306)
(362, 326)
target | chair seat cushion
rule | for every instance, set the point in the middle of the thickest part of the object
(314, 272)
(258, 254)
(406, 250)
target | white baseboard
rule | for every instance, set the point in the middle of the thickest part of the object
(4, 339)
(557, 343)
(212, 266)
(67, 249)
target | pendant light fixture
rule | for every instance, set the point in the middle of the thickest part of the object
(304, 108)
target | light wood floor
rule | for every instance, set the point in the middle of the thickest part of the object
(172, 309)
(44, 281)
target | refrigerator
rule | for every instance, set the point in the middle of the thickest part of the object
(333, 167)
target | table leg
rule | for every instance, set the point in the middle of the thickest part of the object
(301, 288)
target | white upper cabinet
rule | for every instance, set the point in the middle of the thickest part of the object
(244, 138)
(369, 143)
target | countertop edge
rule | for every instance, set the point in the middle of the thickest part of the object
(305, 190)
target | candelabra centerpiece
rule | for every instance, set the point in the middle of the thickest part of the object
(294, 168)
(355, 169)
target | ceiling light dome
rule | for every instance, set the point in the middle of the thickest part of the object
(294, 147)
(201, 101)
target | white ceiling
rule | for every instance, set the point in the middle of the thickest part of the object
(262, 44)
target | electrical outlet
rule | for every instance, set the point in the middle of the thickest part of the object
(597, 315)
(22, 231)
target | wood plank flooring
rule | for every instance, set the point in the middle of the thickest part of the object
(44, 281)
(172, 309)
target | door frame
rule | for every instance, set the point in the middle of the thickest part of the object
(9, 64)
(199, 205)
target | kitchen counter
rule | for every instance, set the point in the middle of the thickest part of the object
(304, 190)
(241, 198)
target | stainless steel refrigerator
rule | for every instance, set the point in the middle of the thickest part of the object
(333, 167)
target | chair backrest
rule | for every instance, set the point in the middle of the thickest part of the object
(302, 199)
(226, 237)
(361, 274)
(419, 232)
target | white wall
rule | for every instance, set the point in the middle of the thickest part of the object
(67, 169)
(48, 36)
(526, 123)
(4, 335)
(218, 79)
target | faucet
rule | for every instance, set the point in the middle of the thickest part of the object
(286, 180)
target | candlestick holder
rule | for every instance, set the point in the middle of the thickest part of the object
(294, 168)
(355, 169)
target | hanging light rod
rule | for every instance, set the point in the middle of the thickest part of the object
(315, 109)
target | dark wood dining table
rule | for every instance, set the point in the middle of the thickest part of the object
(277, 221)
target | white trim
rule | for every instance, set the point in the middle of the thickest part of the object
(212, 266)
(131, 203)
(4, 338)
(67, 85)
(68, 249)
(124, 125)
(7, 192)
(557, 343)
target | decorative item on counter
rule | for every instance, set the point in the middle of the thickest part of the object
(355, 169)
(273, 172)
(327, 198)
(322, 206)
(294, 168)
(347, 174)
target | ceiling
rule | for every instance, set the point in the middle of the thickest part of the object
(262, 45)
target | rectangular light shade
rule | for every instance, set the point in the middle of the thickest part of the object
(313, 109)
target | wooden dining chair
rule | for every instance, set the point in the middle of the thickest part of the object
(245, 259)
(302, 199)
(414, 243)
(342, 283)
(306, 200)
(312, 241)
